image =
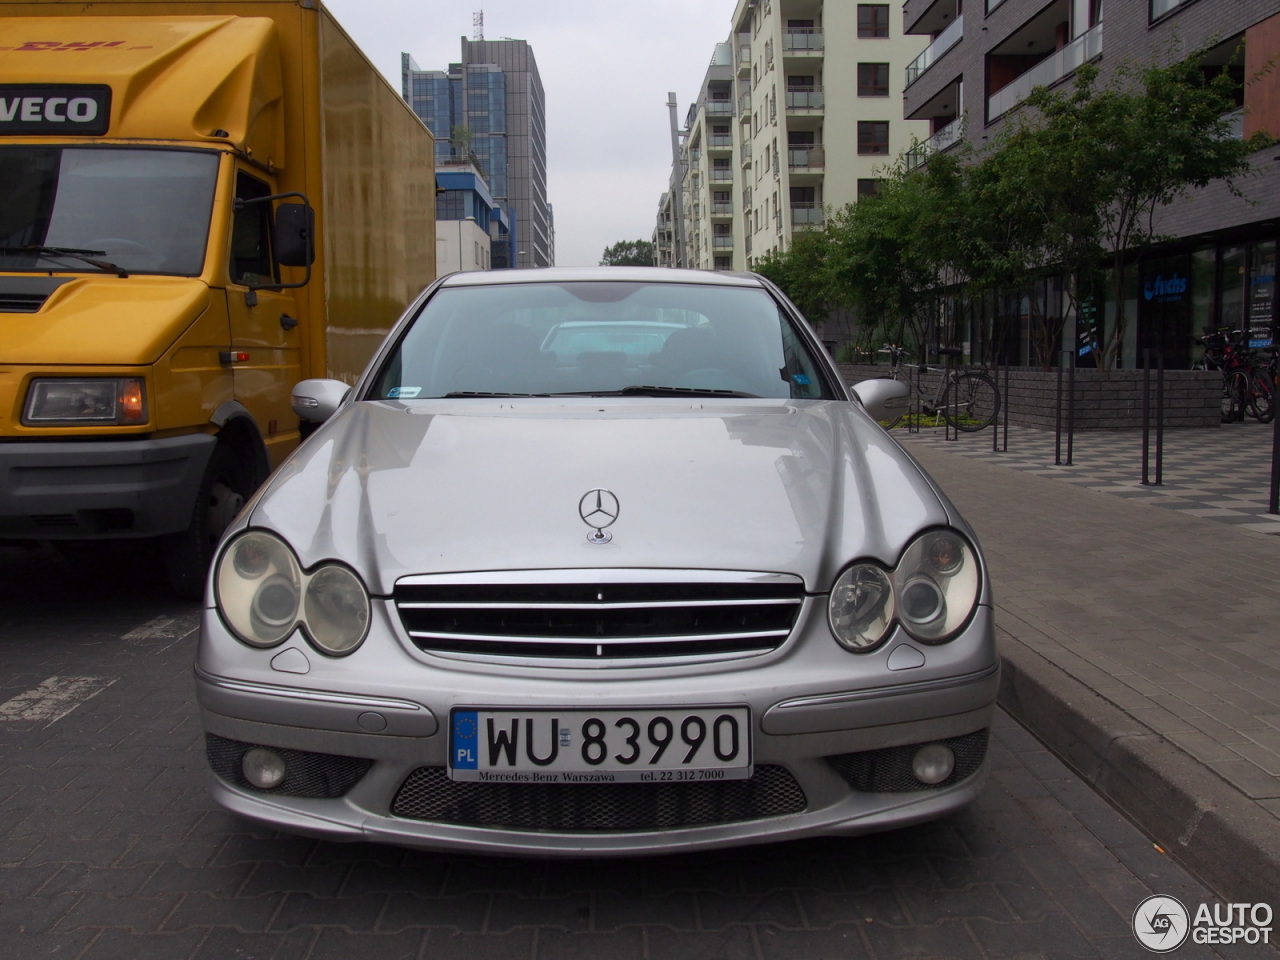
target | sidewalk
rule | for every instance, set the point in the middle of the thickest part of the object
(1142, 645)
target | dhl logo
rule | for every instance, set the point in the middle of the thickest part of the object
(70, 46)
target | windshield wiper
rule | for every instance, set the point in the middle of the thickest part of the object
(648, 390)
(73, 252)
(484, 393)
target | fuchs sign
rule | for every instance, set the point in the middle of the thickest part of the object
(44, 108)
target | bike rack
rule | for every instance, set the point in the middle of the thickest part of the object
(1146, 418)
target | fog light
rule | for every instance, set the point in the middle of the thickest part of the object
(933, 763)
(264, 769)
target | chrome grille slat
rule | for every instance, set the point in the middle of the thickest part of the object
(621, 615)
(605, 641)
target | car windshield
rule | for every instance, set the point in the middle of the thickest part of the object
(600, 338)
(142, 210)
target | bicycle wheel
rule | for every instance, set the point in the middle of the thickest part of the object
(1235, 387)
(1261, 398)
(971, 402)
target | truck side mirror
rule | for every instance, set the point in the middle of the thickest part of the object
(295, 235)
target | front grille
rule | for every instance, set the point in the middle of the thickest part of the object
(21, 302)
(889, 770)
(601, 620)
(429, 794)
(319, 775)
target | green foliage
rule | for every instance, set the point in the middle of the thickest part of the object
(1072, 181)
(629, 253)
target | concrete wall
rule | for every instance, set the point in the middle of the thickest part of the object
(1103, 400)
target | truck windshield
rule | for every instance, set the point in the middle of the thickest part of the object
(143, 210)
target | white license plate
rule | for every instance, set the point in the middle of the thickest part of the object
(668, 745)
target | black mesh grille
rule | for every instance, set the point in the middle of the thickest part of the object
(600, 620)
(889, 770)
(428, 794)
(318, 775)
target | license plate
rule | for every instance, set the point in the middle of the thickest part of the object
(668, 745)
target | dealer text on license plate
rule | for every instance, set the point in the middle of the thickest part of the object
(667, 745)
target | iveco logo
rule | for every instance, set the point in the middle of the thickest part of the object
(598, 509)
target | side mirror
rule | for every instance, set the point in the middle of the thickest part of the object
(883, 398)
(295, 235)
(318, 400)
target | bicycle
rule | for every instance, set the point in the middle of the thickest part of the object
(967, 399)
(1246, 386)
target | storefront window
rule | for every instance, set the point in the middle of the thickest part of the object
(1233, 288)
(1262, 293)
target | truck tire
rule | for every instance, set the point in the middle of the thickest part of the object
(187, 554)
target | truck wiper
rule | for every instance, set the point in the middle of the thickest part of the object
(75, 253)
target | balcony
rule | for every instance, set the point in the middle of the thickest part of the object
(744, 106)
(804, 99)
(744, 58)
(800, 41)
(722, 243)
(721, 175)
(719, 108)
(940, 141)
(719, 142)
(806, 214)
(721, 209)
(1059, 64)
(806, 157)
(943, 42)
(744, 153)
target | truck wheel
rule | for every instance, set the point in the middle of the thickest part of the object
(222, 493)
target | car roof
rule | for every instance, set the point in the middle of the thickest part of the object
(599, 274)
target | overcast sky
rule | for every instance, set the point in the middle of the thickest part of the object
(606, 68)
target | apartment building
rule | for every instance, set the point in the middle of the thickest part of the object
(799, 113)
(493, 99)
(1217, 270)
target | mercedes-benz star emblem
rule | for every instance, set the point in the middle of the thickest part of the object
(598, 509)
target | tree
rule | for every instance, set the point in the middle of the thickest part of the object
(1149, 138)
(629, 253)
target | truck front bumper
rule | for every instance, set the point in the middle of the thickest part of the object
(96, 490)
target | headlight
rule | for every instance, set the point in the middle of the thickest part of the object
(117, 401)
(264, 595)
(932, 592)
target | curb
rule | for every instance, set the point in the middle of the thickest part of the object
(1216, 832)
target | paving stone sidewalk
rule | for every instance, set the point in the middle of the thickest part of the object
(1142, 645)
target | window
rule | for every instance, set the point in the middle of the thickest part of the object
(251, 233)
(868, 188)
(873, 79)
(873, 20)
(873, 137)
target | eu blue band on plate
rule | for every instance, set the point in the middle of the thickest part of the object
(465, 740)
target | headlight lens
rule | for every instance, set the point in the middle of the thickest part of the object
(861, 608)
(116, 401)
(932, 592)
(264, 595)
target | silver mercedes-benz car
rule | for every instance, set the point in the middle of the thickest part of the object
(591, 562)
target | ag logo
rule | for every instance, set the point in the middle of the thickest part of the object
(1161, 924)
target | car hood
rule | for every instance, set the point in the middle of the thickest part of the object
(397, 489)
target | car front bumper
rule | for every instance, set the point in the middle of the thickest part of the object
(370, 748)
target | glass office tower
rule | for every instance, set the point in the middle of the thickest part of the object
(490, 108)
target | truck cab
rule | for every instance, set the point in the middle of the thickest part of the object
(159, 290)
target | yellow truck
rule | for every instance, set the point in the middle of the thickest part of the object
(200, 205)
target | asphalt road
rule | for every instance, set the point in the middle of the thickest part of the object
(111, 848)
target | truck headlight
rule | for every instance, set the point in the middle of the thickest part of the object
(263, 595)
(931, 592)
(117, 401)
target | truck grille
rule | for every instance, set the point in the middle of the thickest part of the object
(617, 615)
(428, 794)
